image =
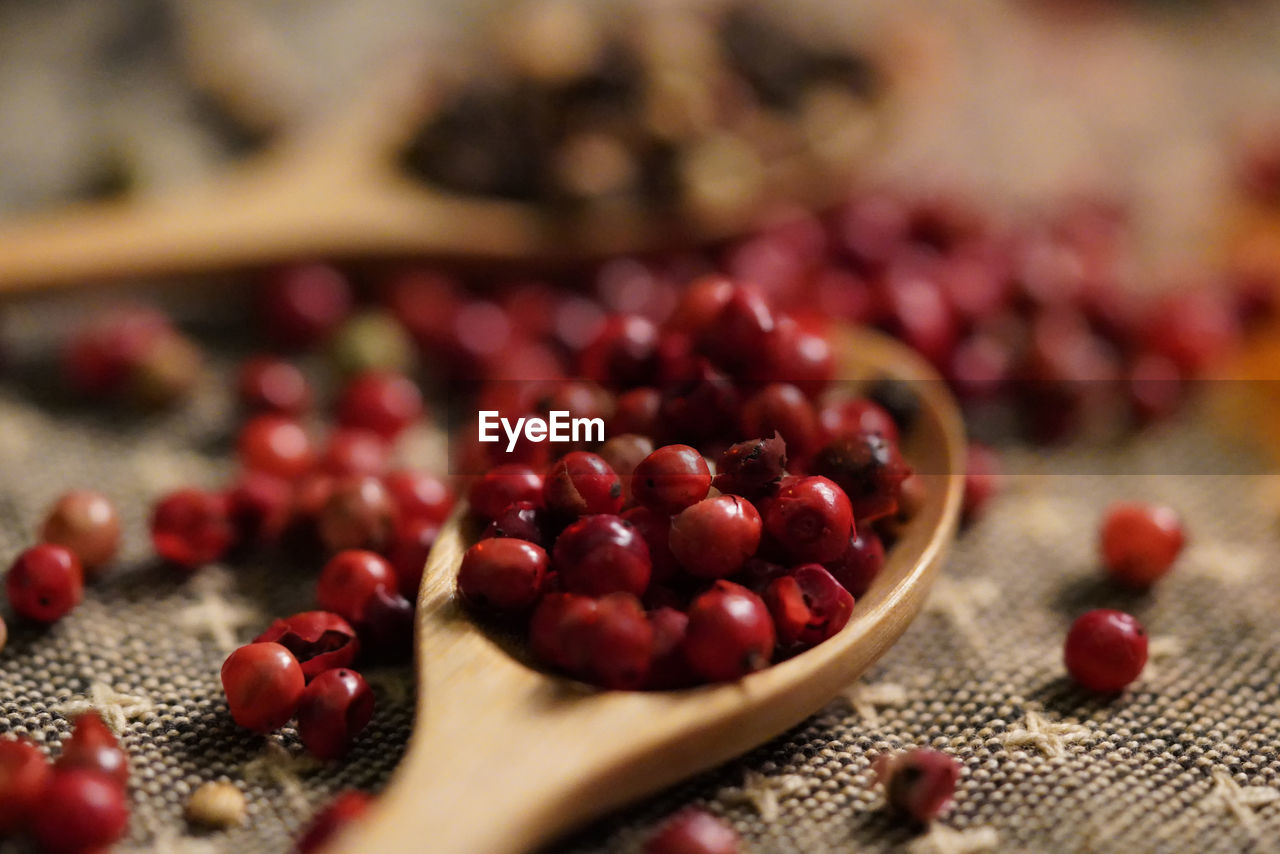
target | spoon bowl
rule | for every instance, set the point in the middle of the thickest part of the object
(504, 757)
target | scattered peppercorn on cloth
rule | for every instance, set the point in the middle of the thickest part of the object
(1184, 761)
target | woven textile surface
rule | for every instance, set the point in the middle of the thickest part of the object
(1184, 761)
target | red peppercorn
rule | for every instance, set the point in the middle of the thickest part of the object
(520, 521)
(299, 306)
(334, 709)
(102, 357)
(319, 640)
(1155, 386)
(669, 669)
(353, 452)
(730, 633)
(381, 401)
(92, 746)
(386, 635)
(557, 618)
(419, 495)
(714, 537)
(44, 583)
(1105, 650)
(753, 468)
(276, 445)
(623, 353)
(1193, 328)
(655, 529)
(699, 404)
(671, 478)
(915, 309)
(981, 479)
(636, 411)
(260, 506)
(919, 783)
(694, 831)
(408, 553)
(602, 554)
(1140, 542)
(348, 579)
(811, 519)
(87, 524)
(502, 487)
(191, 527)
(358, 514)
(344, 809)
(502, 574)
(868, 467)
(860, 564)
(80, 810)
(581, 483)
(615, 649)
(24, 774)
(798, 356)
(808, 606)
(263, 683)
(268, 384)
(740, 336)
(701, 303)
(855, 415)
(624, 453)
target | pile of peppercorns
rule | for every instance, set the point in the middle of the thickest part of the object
(635, 566)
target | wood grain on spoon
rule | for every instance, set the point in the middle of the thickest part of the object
(504, 757)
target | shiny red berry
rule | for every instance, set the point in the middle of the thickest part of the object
(730, 633)
(559, 617)
(615, 649)
(1105, 650)
(919, 783)
(384, 402)
(981, 479)
(419, 495)
(299, 306)
(855, 415)
(94, 747)
(502, 574)
(602, 554)
(24, 773)
(753, 468)
(261, 507)
(80, 811)
(581, 483)
(503, 486)
(714, 538)
(636, 411)
(334, 709)
(671, 478)
(275, 445)
(810, 518)
(86, 523)
(694, 831)
(860, 563)
(353, 452)
(101, 358)
(782, 408)
(268, 384)
(623, 353)
(741, 333)
(669, 669)
(655, 529)
(1140, 542)
(263, 683)
(349, 578)
(358, 514)
(44, 583)
(410, 547)
(808, 605)
(319, 640)
(520, 521)
(191, 527)
(342, 811)
(386, 634)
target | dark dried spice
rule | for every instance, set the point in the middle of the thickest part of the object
(752, 468)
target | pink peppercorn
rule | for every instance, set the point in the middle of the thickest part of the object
(342, 811)
(263, 683)
(810, 518)
(493, 492)
(333, 710)
(714, 538)
(268, 384)
(808, 606)
(602, 554)
(581, 483)
(730, 633)
(919, 783)
(1105, 650)
(381, 401)
(349, 578)
(319, 640)
(191, 527)
(1140, 542)
(24, 774)
(502, 574)
(694, 831)
(671, 478)
(86, 523)
(44, 583)
(80, 810)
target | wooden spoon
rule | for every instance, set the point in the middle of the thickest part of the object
(335, 190)
(504, 757)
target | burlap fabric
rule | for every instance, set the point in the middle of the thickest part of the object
(1183, 762)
